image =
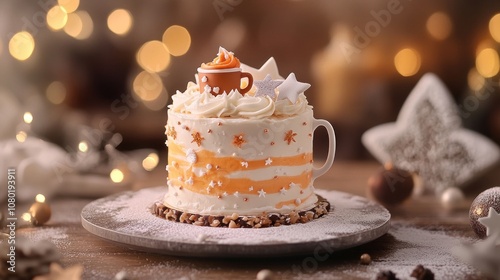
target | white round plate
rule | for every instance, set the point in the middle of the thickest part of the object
(125, 218)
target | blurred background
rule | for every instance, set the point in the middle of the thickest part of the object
(91, 67)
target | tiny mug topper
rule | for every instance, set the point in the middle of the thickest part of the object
(223, 74)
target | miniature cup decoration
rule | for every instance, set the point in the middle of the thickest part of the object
(223, 74)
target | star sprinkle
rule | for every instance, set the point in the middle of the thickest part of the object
(289, 136)
(428, 139)
(197, 138)
(269, 161)
(291, 88)
(283, 191)
(212, 184)
(238, 140)
(190, 181)
(266, 87)
(491, 222)
(262, 193)
(236, 194)
(268, 68)
(171, 132)
(251, 188)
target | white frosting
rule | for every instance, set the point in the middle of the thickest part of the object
(262, 123)
(285, 107)
(264, 139)
(254, 107)
(206, 105)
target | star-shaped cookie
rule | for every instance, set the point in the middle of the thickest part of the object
(291, 88)
(268, 68)
(428, 139)
(266, 86)
(59, 273)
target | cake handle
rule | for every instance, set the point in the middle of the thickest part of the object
(332, 143)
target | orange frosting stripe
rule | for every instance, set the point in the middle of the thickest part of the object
(224, 60)
(232, 185)
(232, 164)
(280, 205)
(180, 170)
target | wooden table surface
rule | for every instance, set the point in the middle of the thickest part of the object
(102, 259)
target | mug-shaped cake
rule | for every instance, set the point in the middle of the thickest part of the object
(242, 160)
(219, 166)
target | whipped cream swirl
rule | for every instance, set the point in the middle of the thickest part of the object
(206, 105)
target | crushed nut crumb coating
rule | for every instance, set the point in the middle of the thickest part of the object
(321, 208)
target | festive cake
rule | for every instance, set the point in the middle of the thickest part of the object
(240, 152)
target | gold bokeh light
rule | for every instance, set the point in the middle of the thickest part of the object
(407, 62)
(27, 117)
(21, 45)
(439, 25)
(83, 146)
(159, 103)
(21, 136)
(475, 80)
(487, 62)
(494, 27)
(153, 56)
(79, 25)
(177, 40)
(40, 198)
(147, 86)
(26, 217)
(57, 17)
(150, 162)
(69, 5)
(116, 175)
(120, 21)
(56, 92)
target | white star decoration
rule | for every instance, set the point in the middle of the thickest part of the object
(283, 191)
(266, 87)
(268, 68)
(269, 161)
(251, 188)
(428, 139)
(491, 222)
(212, 184)
(291, 88)
(262, 193)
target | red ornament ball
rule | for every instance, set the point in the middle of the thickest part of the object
(480, 208)
(391, 186)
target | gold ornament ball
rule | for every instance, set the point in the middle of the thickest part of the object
(40, 213)
(365, 259)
